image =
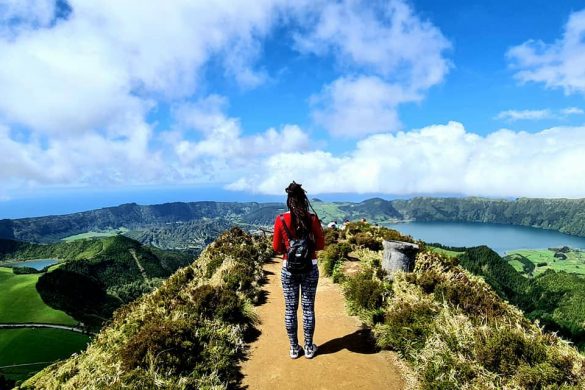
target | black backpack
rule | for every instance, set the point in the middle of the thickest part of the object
(298, 254)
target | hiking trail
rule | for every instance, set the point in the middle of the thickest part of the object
(346, 358)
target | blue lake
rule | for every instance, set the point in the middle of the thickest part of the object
(36, 264)
(501, 238)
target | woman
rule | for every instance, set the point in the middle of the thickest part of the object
(299, 223)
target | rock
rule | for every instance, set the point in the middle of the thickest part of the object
(398, 256)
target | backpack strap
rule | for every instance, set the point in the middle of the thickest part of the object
(288, 234)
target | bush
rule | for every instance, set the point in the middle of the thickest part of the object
(363, 291)
(331, 236)
(217, 302)
(171, 346)
(539, 376)
(505, 349)
(407, 324)
(239, 278)
(366, 240)
(331, 255)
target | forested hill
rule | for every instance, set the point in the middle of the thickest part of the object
(564, 215)
(151, 224)
(133, 216)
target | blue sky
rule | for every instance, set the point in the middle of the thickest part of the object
(104, 103)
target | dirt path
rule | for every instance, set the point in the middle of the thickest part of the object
(345, 360)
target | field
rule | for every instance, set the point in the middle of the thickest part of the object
(34, 349)
(20, 301)
(329, 212)
(92, 234)
(532, 262)
(445, 252)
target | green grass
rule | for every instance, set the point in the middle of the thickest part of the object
(20, 301)
(445, 252)
(92, 234)
(574, 264)
(330, 211)
(25, 346)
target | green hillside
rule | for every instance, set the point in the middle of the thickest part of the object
(449, 325)
(554, 298)
(20, 301)
(188, 333)
(95, 276)
(453, 328)
(30, 350)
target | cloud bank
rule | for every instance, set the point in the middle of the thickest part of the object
(437, 158)
(82, 83)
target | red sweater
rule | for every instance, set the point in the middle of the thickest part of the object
(280, 240)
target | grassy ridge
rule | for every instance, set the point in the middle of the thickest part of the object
(95, 276)
(188, 333)
(452, 326)
(20, 301)
(37, 348)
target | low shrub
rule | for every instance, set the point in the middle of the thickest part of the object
(505, 349)
(363, 291)
(172, 346)
(407, 324)
(331, 255)
(366, 240)
(331, 236)
(217, 302)
(239, 278)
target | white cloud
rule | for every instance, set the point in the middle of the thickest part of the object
(360, 105)
(442, 158)
(558, 65)
(515, 115)
(109, 59)
(223, 150)
(386, 38)
(82, 86)
(572, 111)
(390, 55)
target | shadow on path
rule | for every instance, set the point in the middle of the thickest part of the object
(360, 341)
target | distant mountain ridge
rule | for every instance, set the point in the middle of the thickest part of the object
(133, 216)
(149, 221)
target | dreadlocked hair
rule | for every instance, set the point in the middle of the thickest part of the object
(298, 204)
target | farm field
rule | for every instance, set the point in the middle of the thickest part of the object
(34, 349)
(20, 301)
(532, 262)
(92, 234)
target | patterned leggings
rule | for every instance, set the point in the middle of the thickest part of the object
(308, 286)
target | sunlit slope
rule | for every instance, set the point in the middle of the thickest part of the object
(20, 302)
(188, 333)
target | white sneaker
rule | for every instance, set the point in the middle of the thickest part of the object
(310, 351)
(295, 351)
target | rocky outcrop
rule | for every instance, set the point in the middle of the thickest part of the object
(398, 256)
